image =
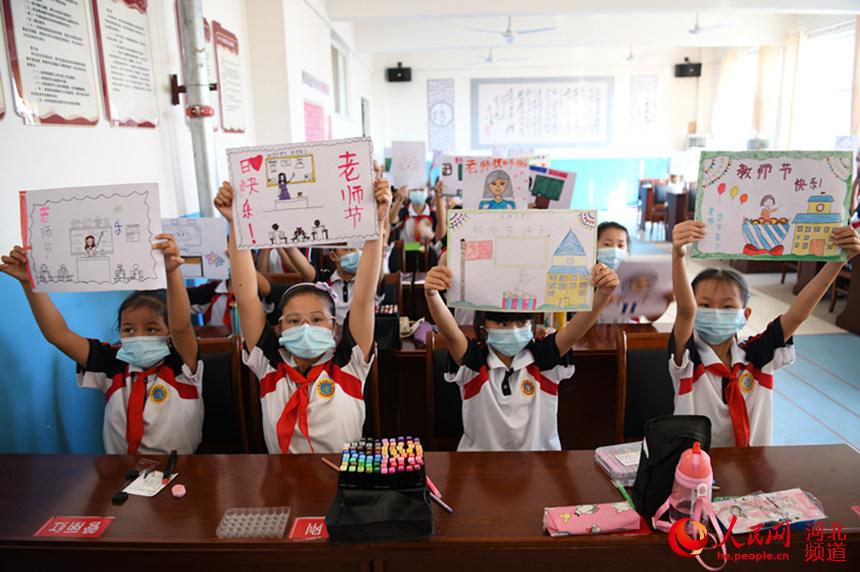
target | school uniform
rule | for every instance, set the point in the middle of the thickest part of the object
(409, 220)
(214, 300)
(313, 413)
(148, 411)
(511, 410)
(342, 291)
(738, 400)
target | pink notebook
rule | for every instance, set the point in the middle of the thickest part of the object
(603, 518)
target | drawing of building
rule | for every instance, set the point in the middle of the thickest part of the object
(568, 279)
(813, 230)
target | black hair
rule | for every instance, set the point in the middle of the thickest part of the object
(726, 275)
(155, 300)
(305, 288)
(604, 226)
(481, 318)
(766, 197)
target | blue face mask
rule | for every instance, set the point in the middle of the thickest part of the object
(307, 341)
(417, 197)
(143, 351)
(716, 326)
(349, 262)
(509, 342)
(611, 257)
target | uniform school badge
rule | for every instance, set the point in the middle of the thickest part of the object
(528, 387)
(158, 393)
(325, 388)
(746, 381)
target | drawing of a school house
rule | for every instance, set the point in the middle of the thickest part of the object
(813, 230)
(568, 279)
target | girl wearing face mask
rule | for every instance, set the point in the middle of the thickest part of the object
(152, 379)
(714, 374)
(413, 218)
(508, 379)
(613, 248)
(311, 388)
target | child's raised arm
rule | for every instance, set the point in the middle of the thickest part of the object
(300, 263)
(605, 281)
(361, 311)
(440, 278)
(845, 238)
(50, 321)
(251, 314)
(178, 306)
(683, 234)
(441, 212)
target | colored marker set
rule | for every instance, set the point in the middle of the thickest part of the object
(396, 463)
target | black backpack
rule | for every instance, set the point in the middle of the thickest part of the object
(666, 438)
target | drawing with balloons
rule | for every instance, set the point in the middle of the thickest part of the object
(773, 204)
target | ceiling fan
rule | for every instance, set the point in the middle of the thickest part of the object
(697, 29)
(509, 34)
(491, 59)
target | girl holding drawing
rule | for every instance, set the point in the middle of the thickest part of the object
(156, 361)
(713, 374)
(418, 221)
(498, 191)
(311, 387)
(508, 379)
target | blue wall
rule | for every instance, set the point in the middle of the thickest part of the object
(42, 410)
(597, 178)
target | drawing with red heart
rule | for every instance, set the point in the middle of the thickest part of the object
(256, 162)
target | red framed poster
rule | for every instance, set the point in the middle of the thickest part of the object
(229, 67)
(122, 35)
(53, 80)
(315, 126)
(210, 63)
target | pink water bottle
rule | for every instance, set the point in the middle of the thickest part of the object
(693, 481)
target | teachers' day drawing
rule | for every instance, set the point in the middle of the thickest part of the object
(551, 188)
(303, 194)
(409, 163)
(202, 244)
(521, 261)
(495, 183)
(93, 238)
(646, 289)
(773, 204)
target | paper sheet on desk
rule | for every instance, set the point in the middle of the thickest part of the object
(149, 485)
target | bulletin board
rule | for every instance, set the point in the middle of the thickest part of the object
(544, 112)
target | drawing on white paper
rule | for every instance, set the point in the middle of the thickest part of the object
(521, 261)
(203, 244)
(493, 183)
(93, 238)
(409, 163)
(645, 289)
(303, 194)
(773, 204)
(551, 188)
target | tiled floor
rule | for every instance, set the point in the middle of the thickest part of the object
(816, 399)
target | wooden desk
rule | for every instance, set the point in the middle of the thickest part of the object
(676, 205)
(498, 500)
(586, 405)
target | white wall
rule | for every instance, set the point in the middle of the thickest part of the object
(400, 109)
(33, 157)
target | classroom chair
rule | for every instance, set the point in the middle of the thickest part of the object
(397, 259)
(392, 290)
(841, 285)
(786, 268)
(444, 404)
(212, 331)
(256, 441)
(641, 200)
(655, 208)
(644, 387)
(224, 422)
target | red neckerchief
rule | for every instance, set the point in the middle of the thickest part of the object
(227, 319)
(134, 410)
(417, 218)
(296, 409)
(735, 400)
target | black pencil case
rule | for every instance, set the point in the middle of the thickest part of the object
(362, 516)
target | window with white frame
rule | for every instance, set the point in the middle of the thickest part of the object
(340, 75)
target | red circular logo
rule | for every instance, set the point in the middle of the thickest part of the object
(682, 543)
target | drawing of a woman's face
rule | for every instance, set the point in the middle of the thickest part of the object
(282, 179)
(498, 187)
(90, 242)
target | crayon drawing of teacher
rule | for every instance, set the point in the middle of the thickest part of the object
(497, 191)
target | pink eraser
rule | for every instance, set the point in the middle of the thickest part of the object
(178, 491)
